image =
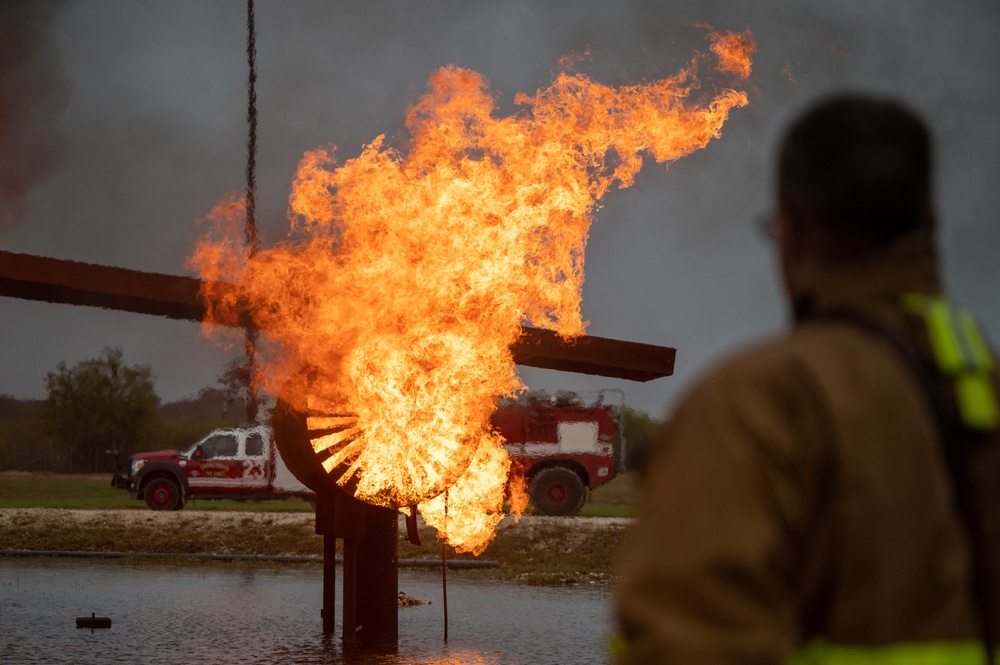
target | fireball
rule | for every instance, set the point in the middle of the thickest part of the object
(407, 275)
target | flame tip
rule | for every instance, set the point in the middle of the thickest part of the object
(407, 274)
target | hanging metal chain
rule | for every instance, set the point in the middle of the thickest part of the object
(250, 224)
(250, 229)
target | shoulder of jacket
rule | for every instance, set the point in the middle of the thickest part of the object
(763, 403)
(787, 373)
(774, 360)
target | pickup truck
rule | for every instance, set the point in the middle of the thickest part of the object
(241, 464)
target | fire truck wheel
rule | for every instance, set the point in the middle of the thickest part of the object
(163, 494)
(557, 491)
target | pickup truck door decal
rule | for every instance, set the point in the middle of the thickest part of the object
(224, 465)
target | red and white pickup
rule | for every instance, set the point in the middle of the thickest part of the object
(241, 464)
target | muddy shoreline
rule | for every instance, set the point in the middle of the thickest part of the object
(532, 550)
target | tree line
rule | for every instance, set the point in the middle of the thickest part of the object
(100, 404)
(104, 403)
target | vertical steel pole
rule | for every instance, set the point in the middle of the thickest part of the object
(444, 585)
(444, 568)
(326, 526)
(329, 584)
(350, 592)
(378, 579)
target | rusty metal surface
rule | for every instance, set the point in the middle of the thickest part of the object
(73, 283)
(594, 355)
(176, 297)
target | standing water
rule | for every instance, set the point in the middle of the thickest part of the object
(241, 614)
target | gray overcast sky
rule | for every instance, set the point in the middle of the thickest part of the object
(130, 127)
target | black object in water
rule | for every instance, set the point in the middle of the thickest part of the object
(93, 621)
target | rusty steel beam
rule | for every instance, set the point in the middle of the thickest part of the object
(74, 283)
(599, 356)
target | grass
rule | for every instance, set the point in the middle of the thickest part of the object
(93, 491)
(20, 489)
(613, 499)
(551, 555)
(556, 554)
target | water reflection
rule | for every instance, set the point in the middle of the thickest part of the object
(245, 614)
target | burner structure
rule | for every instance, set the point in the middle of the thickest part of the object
(370, 533)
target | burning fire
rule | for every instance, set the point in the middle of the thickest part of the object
(390, 313)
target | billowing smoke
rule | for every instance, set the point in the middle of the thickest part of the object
(33, 92)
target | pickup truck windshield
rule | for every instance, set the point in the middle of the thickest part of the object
(220, 445)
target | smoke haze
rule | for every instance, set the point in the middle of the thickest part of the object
(153, 136)
(33, 92)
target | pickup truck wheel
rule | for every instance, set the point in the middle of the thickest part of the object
(163, 494)
(557, 491)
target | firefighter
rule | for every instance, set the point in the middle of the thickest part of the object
(833, 495)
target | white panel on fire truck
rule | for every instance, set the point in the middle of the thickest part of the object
(577, 437)
(284, 481)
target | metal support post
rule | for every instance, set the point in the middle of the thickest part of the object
(378, 579)
(350, 592)
(329, 584)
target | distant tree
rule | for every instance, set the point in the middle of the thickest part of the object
(208, 403)
(22, 445)
(639, 430)
(237, 381)
(99, 404)
(12, 408)
(187, 420)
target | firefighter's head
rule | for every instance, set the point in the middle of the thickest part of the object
(854, 175)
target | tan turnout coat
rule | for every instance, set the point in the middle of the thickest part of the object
(800, 492)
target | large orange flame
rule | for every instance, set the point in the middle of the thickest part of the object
(409, 274)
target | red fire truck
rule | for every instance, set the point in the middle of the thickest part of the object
(561, 446)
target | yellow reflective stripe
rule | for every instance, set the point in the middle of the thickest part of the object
(944, 341)
(916, 653)
(977, 396)
(977, 401)
(617, 646)
(960, 352)
(981, 355)
(934, 312)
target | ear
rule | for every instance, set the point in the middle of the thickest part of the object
(796, 254)
(787, 233)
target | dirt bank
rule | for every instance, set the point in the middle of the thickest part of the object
(534, 550)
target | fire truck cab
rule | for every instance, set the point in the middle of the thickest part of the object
(562, 447)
